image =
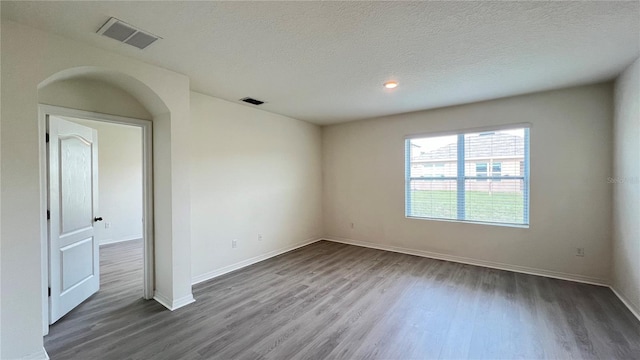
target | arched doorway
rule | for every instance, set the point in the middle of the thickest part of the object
(79, 102)
(30, 60)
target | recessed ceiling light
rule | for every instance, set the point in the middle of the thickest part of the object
(390, 84)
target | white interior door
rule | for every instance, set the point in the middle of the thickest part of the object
(74, 255)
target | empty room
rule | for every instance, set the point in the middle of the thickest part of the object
(319, 180)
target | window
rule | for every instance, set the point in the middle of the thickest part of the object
(478, 177)
(439, 170)
(481, 171)
(496, 171)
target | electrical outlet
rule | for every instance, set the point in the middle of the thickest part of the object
(580, 252)
(234, 243)
(107, 225)
(259, 237)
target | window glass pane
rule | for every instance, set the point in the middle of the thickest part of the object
(494, 145)
(500, 202)
(434, 156)
(488, 153)
(433, 199)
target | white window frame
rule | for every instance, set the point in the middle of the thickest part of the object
(460, 177)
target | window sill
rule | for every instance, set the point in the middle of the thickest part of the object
(519, 226)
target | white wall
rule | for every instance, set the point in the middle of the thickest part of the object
(30, 59)
(571, 141)
(119, 181)
(251, 172)
(626, 187)
(92, 95)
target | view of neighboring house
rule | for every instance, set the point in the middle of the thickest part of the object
(494, 161)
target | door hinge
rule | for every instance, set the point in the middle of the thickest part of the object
(49, 292)
(48, 215)
(46, 137)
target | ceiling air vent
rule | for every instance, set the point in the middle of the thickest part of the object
(128, 34)
(252, 101)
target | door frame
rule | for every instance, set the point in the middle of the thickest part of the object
(147, 194)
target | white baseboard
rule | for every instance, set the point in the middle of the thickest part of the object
(40, 355)
(173, 304)
(110, 241)
(470, 261)
(626, 302)
(239, 265)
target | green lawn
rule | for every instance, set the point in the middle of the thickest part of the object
(504, 207)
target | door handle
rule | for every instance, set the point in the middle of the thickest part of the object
(97, 219)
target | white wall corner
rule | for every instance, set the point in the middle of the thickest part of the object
(173, 304)
(239, 265)
(469, 261)
(40, 355)
(635, 311)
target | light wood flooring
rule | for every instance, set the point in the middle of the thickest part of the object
(335, 301)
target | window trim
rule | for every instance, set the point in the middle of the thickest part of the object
(470, 130)
(461, 173)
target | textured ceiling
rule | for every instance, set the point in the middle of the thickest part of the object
(325, 62)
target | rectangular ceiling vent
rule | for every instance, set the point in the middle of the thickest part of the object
(128, 34)
(252, 101)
